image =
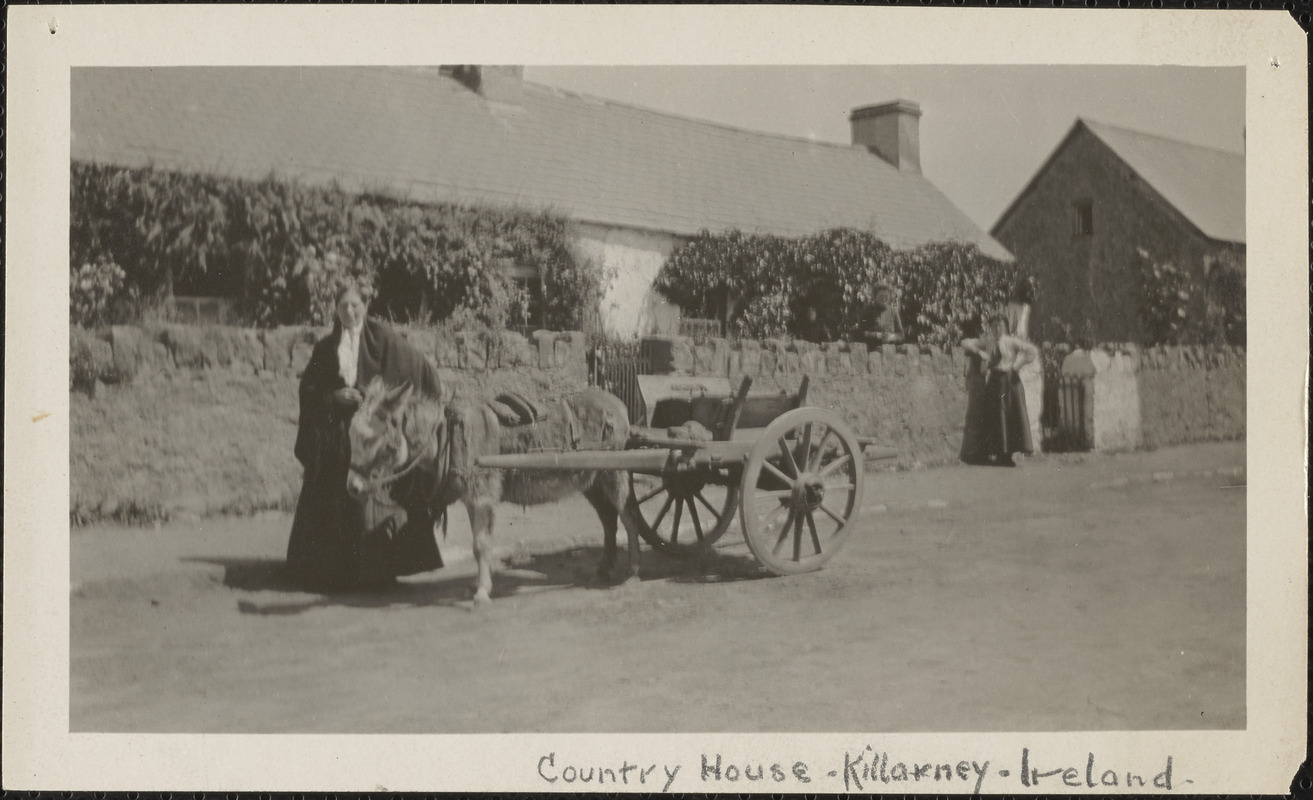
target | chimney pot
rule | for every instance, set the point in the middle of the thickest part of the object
(500, 83)
(891, 131)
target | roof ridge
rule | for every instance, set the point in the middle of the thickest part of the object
(1094, 124)
(433, 140)
(556, 90)
(426, 72)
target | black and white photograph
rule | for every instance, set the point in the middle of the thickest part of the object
(728, 422)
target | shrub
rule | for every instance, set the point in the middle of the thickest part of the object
(93, 289)
(761, 285)
(160, 227)
(276, 245)
(1224, 321)
(83, 368)
(1175, 306)
(1163, 293)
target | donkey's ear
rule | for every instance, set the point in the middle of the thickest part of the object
(399, 395)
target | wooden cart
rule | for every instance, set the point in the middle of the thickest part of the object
(792, 473)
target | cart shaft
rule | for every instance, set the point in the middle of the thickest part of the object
(574, 460)
(652, 459)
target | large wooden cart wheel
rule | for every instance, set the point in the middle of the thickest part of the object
(802, 487)
(683, 513)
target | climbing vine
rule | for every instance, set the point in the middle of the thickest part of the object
(275, 247)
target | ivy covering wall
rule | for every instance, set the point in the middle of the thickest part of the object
(274, 247)
(762, 286)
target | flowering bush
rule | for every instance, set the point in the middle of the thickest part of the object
(762, 285)
(1163, 294)
(160, 227)
(92, 289)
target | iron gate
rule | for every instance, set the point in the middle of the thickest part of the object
(615, 368)
(1063, 413)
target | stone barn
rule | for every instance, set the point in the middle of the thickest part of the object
(637, 182)
(1109, 202)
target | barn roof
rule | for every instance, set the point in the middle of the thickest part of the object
(1204, 184)
(423, 135)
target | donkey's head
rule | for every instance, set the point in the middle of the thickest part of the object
(378, 441)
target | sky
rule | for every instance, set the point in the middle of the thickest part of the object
(985, 130)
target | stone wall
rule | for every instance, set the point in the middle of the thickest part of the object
(908, 397)
(1191, 394)
(1160, 396)
(905, 396)
(548, 362)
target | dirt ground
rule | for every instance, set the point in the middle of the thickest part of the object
(1099, 594)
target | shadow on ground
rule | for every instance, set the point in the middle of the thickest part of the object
(517, 574)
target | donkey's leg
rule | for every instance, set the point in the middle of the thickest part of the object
(612, 489)
(597, 497)
(618, 491)
(482, 512)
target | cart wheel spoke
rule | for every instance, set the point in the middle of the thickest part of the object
(656, 523)
(784, 532)
(829, 512)
(769, 467)
(816, 539)
(797, 537)
(816, 457)
(697, 523)
(829, 468)
(774, 493)
(658, 490)
(719, 491)
(714, 514)
(768, 523)
(679, 510)
(788, 458)
(806, 448)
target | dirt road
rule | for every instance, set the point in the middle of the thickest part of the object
(1107, 594)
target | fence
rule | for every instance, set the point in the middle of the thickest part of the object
(1063, 414)
(615, 368)
(200, 310)
(699, 328)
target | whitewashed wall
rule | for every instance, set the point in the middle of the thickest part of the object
(632, 258)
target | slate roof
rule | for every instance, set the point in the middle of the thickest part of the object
(1204, 184)
(425, 136)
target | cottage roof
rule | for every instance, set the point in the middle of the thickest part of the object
(426, 136)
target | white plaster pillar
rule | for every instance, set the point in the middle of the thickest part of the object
(1112, 398)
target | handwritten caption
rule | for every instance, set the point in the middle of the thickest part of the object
(856, 771)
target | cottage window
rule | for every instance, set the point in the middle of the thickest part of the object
(1083, 218)
(527, 297)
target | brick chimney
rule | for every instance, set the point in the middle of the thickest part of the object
(892, 131)
(497, 83)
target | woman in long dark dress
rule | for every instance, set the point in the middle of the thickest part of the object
(331, 548)
(973, 448)
(997, 424)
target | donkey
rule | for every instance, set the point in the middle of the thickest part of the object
(396, 432)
